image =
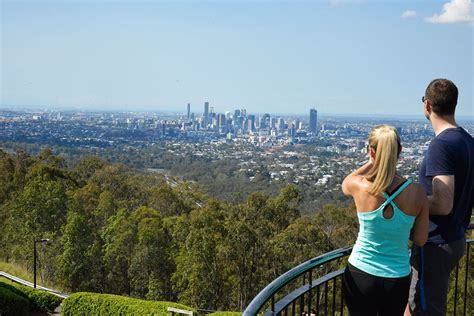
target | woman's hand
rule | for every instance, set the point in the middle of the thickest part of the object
(365, 168)
(348, 185)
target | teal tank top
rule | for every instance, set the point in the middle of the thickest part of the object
(381, 248)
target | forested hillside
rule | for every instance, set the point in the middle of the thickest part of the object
(117, 230)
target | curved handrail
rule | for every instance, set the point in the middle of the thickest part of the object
(288, 299)
(264, 296)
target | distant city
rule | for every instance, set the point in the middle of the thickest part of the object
(107, 128)
(266, 150)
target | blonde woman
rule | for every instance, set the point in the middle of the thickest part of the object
(377, 278)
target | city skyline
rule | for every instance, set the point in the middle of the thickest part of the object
(344, 57)
(183, 111)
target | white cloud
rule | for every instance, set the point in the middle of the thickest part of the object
(408, 14)
(455, 11)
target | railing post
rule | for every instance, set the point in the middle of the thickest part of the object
(334, 297)
(309, 292)
(342, 295)
(326, 298)
(301, 304)
(465, 277)
(456, 289)
(34, 264)
(318, 293)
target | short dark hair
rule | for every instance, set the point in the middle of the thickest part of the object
(443, 96)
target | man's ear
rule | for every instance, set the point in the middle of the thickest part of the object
(427, 107)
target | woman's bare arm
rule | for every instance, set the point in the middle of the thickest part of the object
(421, 226)
(348, 183)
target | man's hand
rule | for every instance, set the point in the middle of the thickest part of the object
(441, 200)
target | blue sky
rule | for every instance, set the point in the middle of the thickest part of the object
(339, 56)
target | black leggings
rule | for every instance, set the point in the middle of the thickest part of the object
(367, 295)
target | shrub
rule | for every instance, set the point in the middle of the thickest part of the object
(12, 303)
(39, 301)
(42, 301)
(84, 303)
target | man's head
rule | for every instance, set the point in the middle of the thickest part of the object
(441, 97)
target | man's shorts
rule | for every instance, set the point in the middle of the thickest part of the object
(428, 296)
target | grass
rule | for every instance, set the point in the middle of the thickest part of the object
(16, 270)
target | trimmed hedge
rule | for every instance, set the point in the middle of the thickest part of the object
(39, 301)
(84, 303)
(12, 303)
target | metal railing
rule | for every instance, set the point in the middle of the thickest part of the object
(314, 288)
(29, 284)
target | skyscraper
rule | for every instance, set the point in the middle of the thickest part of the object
(313, 121)
(189, 111)
(251, 122)
(206, 114)
(221, 120)
(236, 114)
(273, 122)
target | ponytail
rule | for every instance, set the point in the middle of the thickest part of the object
(385, 141)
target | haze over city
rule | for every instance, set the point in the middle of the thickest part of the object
(354, 57)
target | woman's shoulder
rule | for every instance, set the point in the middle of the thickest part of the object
(355, 181)
(415, 195)
(351, 184)
(416, 188)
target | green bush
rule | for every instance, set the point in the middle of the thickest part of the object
(84, 303)
(39, 301)
(12, 303)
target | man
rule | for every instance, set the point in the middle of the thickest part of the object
(447, 175)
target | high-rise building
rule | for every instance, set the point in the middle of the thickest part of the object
(280, 125)
(189, 111)
(205, 116)
(251, 122)
(221, 120)
(236, 114)
(292, 130)
(273, 122)
(297, 123)
(313, 121)
(266, 120)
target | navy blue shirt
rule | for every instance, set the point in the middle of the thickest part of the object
(451, 153)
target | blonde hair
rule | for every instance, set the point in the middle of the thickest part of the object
(385, 141)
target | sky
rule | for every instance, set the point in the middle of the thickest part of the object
(338, 56)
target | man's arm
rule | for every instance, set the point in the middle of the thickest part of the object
(441, 201)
